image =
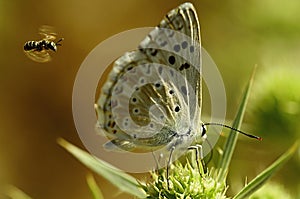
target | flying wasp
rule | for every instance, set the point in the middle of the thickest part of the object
(39, 51)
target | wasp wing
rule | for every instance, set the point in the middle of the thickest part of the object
(38, 56)
(48, 32)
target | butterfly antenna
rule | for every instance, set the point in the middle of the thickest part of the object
(229, 127)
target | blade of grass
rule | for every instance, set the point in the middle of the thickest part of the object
(116, 176)
(97, 194)
(257, 182)
(232, 138)
(14, 193)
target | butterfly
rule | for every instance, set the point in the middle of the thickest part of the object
(151, 100)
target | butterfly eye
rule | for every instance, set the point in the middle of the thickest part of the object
(204, 130)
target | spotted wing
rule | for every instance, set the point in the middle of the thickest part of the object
(178, 38)
(136, 83)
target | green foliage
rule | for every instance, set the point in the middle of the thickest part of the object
(97, 194)
(275, 112)
(259, 180)
(271, 191)
(232, 138)
(276, 103)
(13, 192)
(116, 176)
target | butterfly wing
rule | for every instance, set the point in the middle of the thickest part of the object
(185, 20)
(144, 104)
(185, 48)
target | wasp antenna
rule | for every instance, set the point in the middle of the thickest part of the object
(57, 43)
(229, 127)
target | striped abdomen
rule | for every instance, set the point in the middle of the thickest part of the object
(40, 45)
(32, 45)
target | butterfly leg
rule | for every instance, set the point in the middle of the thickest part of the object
(169, 164)
(157, 160)
(199, 156)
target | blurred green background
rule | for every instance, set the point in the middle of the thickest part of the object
(36, 99)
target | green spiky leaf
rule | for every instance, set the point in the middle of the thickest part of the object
(97, 194)
(116, 176)
(14, 192)
(232, 138)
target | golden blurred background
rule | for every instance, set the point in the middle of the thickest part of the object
(36, 98)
